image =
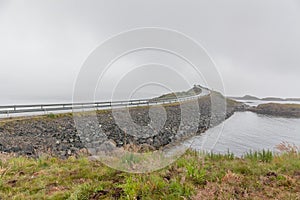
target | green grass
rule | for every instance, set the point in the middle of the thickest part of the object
(52, 116)
(195, 175)
(263, 156)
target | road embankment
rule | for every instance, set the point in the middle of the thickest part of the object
(57, 134)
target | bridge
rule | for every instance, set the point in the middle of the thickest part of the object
(40, 109)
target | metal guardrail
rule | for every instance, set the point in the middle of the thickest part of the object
(6, 111)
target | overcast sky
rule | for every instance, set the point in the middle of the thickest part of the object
(43, 44)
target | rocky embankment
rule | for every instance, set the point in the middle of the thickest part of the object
(276, 109)
(57, 134)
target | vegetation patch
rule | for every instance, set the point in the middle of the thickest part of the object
(258, 175)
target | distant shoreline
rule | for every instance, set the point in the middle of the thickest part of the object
(277, 109)
(251, 98)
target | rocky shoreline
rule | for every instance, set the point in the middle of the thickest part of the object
(57, 135)
(278, 110)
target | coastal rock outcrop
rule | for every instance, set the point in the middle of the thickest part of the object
(277, 109)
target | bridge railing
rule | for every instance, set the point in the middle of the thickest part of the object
(11, 110)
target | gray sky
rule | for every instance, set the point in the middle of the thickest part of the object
(255, 43)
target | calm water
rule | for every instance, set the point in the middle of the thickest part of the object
(247, 130)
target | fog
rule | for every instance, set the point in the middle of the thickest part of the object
(255, 44)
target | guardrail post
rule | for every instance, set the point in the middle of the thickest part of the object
(42, 109)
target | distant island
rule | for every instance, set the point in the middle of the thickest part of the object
(286, 109)
(249, 97)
